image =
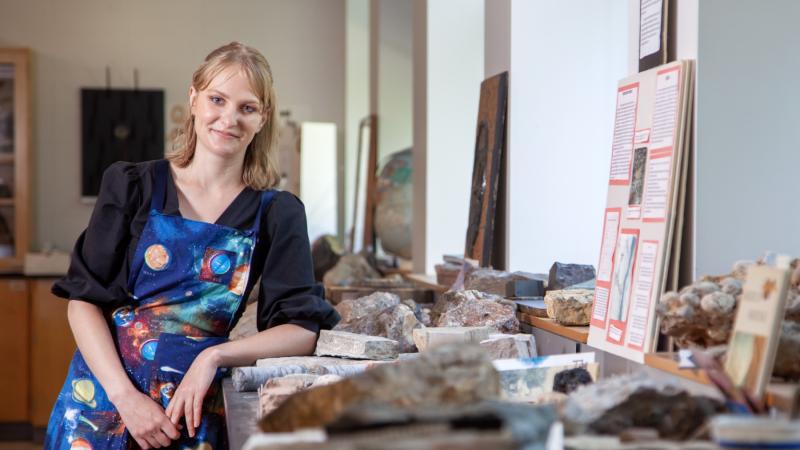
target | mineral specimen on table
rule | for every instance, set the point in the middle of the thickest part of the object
(524, 288)
(509, 346)
(428, 338)
(380, 314)
(447, 375)
(251, 378)
(475, 309)
(570, 307)
(568, 380)
(492, 281)
(349, 271)
(276, 390)
(325, 253)
(787, 357)
(356, 346)
(534, 307)
(564, 275)
(447, 273)
(614, 404)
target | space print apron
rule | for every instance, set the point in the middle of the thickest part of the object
(186, 284)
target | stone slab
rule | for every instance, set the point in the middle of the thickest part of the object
(431, 337)
(356, 346)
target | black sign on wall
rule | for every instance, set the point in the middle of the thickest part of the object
(118, 125)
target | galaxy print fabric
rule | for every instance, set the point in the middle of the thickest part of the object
(186, 286)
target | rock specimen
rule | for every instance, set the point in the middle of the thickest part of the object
(570, 307)
(701, 313)
(568, 380)
(563, 275)
(787, 358)
(381, 314)
(492, 281)
(524, 288)
(325, 253)
(277, 390)
(447, 375)
(428, 338)
(356, 346)
(447, 273)
(349, 271)
(475, 309)
(251, 378)
(617, 403)
(510, 346)
(534, 307)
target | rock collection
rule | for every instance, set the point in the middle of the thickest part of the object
(570, 307)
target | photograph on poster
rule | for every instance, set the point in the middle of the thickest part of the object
(637, 176)
(6, 108)
(626, 248)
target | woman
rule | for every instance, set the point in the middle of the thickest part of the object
(159, 277)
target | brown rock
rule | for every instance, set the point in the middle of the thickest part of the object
(356, 346)
(275, 391)
(475, 309)
(349, 271)
(381, 314)
(572, 307)
(510, 346)
(325, 253)
(787, 358)
(448, 375)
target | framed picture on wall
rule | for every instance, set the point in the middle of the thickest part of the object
(15, 139)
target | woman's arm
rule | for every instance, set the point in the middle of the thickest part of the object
(143, 417)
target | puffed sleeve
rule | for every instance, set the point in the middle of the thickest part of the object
(289, 293)
(98, 268)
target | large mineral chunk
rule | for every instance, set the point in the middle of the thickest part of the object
(570, 307)
(381, 314)
(563, 275)
(325, 253)
(356, 346)
(493, 281)
(448, 375)
(615, 404)
(701, 313)
(475, 309)
(349, 271)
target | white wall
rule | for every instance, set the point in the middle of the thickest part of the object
(748, 138)
(566, 58)
(356, 95)
(395, 96)
(73, 42)
(450, 64)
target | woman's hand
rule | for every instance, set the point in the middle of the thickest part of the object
(146, 420)
(188, 398)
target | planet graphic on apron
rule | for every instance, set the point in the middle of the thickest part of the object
(157, 257)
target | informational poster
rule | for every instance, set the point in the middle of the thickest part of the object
(644, 185)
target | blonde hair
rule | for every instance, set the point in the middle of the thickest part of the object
(260, 169)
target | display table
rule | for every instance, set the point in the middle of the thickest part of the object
(240, 414)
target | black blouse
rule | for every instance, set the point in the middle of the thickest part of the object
(98, 271)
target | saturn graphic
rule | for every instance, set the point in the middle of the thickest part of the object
(83, 392)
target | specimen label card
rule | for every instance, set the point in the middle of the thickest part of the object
(624, 126)
(639, 241)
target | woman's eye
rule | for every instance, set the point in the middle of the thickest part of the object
(248, 109)
(216, 100)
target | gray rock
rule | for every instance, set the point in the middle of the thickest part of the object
(356, 346)
(565, 275)
(491, 281)
(428, 338)
(510, 346)
(381, 314)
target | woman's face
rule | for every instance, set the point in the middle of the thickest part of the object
(227, 114)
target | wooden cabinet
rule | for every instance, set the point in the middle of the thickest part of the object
(52, 347)
(15, 142)
(15, 350)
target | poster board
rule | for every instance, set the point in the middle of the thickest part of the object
(645, 189)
